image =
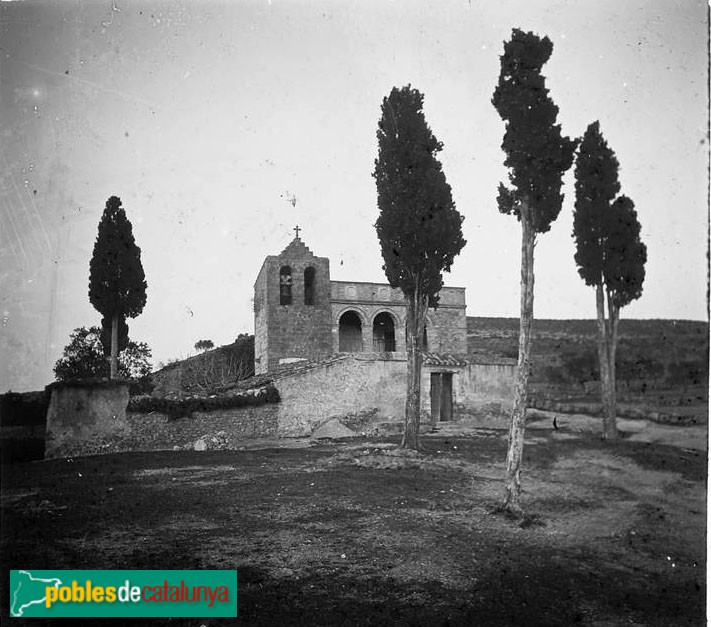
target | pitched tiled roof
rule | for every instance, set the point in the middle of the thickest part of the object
(297, 367)
(442, 359)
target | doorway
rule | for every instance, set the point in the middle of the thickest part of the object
(441, 396)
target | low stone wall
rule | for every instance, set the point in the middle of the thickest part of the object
(643, 413)
(91, 418)
(224, 429)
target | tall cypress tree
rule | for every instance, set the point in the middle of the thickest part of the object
(609, 253)
(117, 283)
(419, 228)
(537, 156)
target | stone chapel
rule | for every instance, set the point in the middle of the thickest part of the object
(337, 349)
(300, 314)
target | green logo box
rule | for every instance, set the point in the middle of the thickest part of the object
(117, 593)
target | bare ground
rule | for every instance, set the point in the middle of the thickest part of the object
(357, 532)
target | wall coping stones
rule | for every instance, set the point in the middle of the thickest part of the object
(429, 359)
(442, 359)
(91, 383)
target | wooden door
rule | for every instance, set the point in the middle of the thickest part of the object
(441, 396)
(445, 412)
(435, 396)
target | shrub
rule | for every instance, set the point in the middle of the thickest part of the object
(141, 386)
(179, 408)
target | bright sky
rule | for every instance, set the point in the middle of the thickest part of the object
(206, 117)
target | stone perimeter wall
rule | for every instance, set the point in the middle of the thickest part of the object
(483, 390)
(225, 428)
(353, 385)
(372, 387)
(364, 390)
(229, 427)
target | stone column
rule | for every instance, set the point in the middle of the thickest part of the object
(367, 332)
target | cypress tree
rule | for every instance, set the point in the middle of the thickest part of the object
(117, 283)
(537, 156)
(419, 227)
(609, 254)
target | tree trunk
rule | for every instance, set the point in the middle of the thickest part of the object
(416, 312)
(606, 359)
(512, 493)
(114, 345)
(613, 316)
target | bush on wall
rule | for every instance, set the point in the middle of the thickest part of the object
(179, 408)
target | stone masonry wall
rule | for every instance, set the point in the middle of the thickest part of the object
(478, 390)
(446, 325)
(347, 386)
(154, 432)
(149, 432)
(359, 384)
(488, 388)
(351, 385)
(261, 328)
(450, 330)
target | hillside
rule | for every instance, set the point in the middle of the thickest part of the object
(207, 372)
(651, 355)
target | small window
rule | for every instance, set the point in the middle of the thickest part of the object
(285, 285)
(309, 286)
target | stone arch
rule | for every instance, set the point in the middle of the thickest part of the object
(350, 332)
(397, 319)
(285, 284)
(384, 332)
(340, 309)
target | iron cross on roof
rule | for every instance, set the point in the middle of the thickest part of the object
(297, 228)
